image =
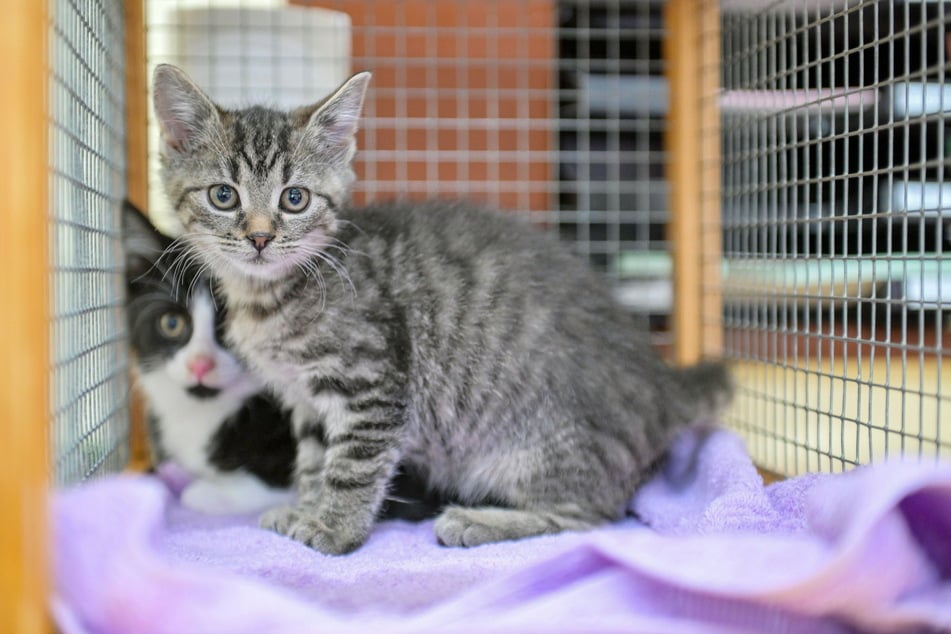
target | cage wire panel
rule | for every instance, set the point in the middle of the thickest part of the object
(89, 386)
(836, 208)
(555, 110)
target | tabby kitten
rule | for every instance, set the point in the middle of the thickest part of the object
(460, 341)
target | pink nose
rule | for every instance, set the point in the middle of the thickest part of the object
(200, 366)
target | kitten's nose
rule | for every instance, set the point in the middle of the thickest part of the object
(200, 366)
(260, 239)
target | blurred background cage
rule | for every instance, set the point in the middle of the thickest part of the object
(763, 181)
(836, 210)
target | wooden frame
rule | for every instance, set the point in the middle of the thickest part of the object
(25, 330)
(692, 52)
(137, 180)
(24, 334)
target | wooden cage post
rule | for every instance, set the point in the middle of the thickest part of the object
(692, 53)
(137, 180)
(24, 333)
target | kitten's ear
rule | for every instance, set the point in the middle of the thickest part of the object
(143, 243)
(334, 120)
(184, 112)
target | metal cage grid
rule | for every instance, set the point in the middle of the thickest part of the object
(87, 172)
(836, 207)
(832, 195)
(555, 110)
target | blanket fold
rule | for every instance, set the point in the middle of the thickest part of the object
(712, 550)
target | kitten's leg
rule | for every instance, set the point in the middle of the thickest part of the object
(461, 526)
(310, 453)
(342, 472)
(309, 433)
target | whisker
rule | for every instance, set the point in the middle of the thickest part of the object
(314, 253)
(339, 269)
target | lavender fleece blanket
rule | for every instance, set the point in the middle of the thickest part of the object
(712, 550)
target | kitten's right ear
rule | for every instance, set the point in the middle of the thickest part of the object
(333, 122)
(143, 243)
(184, 112)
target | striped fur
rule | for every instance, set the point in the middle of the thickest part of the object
(453, 339)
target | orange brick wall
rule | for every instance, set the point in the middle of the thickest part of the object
(461, 103)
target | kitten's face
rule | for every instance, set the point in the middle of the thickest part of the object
(256, 189)
(175, 324)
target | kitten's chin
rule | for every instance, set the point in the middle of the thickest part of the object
(260, 268)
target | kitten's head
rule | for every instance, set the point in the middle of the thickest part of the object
(175, 322)
(256, 189)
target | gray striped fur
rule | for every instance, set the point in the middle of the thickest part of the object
(453, 339)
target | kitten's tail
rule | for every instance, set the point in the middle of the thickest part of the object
(709, 386)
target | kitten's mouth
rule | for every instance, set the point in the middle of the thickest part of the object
(259, 265)
(202, 391)
(254, 258)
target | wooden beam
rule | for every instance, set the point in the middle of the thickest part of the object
(691, 51)
(137, 185)
(25, 326)
(137, 109)
(711, 181)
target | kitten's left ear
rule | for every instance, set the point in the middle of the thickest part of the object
(185, 113)
(335, 120)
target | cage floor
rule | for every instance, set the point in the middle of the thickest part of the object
(830, 415)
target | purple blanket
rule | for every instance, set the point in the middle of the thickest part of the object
(712, 550)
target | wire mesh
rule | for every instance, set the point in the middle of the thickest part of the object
(836, 210)
(611, 122)
(87, 171)
(555, 110)
(835, 151)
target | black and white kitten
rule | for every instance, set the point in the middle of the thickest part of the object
(456, 341)
(205, 411)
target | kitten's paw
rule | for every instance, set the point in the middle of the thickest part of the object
(305, 526)
(319, 536)
(460, 526)
(206, 497)
(232, 494)
(280, 519)
(463, 527)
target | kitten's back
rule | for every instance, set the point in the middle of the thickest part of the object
(507, 323)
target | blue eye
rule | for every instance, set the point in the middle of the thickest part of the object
(295, 199)
(223, 197)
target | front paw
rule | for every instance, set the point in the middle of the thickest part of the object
(305, 526)
(280, 519)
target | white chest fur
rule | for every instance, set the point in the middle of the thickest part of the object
(187, 423)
